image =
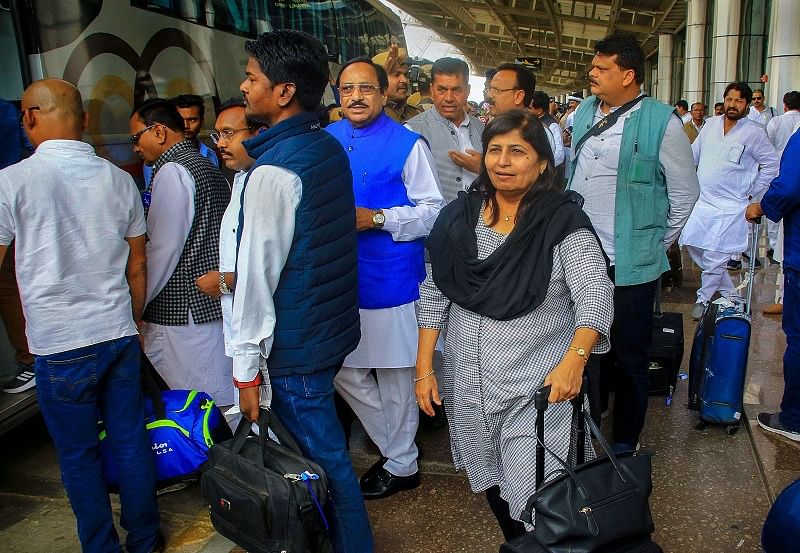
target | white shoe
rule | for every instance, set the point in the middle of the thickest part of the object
(699, 309)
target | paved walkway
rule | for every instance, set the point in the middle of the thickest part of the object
(711, 491)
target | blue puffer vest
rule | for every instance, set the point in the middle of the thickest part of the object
(316, 301)
(389, 272)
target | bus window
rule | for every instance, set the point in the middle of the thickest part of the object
(11, 85)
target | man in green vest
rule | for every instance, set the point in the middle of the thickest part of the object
(630, 164)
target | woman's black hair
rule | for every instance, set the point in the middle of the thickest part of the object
(534, 133)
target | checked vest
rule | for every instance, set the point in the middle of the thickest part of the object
(201, 251)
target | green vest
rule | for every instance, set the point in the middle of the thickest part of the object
(641, 200)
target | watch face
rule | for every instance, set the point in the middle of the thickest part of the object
(378, 218)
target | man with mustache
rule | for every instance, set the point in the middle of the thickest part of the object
(735, 162)
(232, 127)
(396, 67)
(629, 164)
(454, 136)
(397, 200)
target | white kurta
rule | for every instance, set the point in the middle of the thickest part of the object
(227, 252)
(389, 336)
(732, 168)
(188, 356)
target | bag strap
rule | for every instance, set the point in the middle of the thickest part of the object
(267, 420)
(607, 122)
(151, 388)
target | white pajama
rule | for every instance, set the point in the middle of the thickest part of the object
(715, 274)
(386, 406)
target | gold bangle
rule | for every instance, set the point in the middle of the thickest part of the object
(424, 376)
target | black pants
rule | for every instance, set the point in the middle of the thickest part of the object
(511, 528)
(627, 363)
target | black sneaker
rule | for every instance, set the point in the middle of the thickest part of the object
(25, 380)
(734, 265)
(771, 422)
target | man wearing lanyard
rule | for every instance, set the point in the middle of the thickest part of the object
(629, 163)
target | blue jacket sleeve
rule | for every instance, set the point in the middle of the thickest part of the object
(783, 195)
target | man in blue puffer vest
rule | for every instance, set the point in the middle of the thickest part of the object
(295, 305)
(397, 198)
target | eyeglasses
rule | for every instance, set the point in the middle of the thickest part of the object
(495, 90)
(757, 98)
(365, 88)
(227, 134)
(22, 113)
(135, 137)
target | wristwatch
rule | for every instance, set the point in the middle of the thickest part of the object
(223, 286)
(378, 218)
(579, 351)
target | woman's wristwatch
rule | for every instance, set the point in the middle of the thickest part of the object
(223, 286)
(581, 352)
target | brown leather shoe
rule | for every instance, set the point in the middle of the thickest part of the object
(774, 309)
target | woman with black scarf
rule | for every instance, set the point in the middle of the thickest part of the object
(519, 279)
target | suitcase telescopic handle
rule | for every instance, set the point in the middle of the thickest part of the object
(751, 269)
(540, 401)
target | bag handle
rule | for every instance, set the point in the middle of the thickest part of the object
(541, 402)
(266, 420)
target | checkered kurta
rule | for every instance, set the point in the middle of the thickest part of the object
(492, 368)
(201, 252)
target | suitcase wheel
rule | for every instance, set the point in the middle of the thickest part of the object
(732, 429)
(700, 425)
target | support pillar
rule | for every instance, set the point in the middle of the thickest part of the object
(725, 46)
(664, 85)
(694, 73)
(783, 56)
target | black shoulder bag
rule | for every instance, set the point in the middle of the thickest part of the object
(266, 496)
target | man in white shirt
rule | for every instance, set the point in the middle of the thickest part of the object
(232, 128)
(682, 107)
(454, 137)
(397, 200)
(735, 162)
(80, 257)
(183, 335)
(539, 106)
(759, 112)
(295, 310)
(638, 188)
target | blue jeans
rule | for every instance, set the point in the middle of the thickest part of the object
(790, 406)
(304, 404)
(73, 386)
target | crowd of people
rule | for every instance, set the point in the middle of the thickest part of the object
(404, 258)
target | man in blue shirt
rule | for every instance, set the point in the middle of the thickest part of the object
(782, 201)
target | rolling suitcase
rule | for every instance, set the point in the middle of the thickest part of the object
(666, 351)
(726, 366)
(698, 357)
(528, 543)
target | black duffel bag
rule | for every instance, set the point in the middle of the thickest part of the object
(595, 507)
(264, 495)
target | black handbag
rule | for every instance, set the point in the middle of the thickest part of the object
(593, 506)
(264, 495)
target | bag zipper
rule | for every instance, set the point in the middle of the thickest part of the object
(587, 510)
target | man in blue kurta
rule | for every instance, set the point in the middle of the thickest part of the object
(782, 202)
(397, 200)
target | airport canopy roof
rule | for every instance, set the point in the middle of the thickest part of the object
(561, 33)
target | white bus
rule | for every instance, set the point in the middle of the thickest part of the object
(121, 52)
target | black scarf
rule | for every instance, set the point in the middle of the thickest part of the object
(513, 280)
